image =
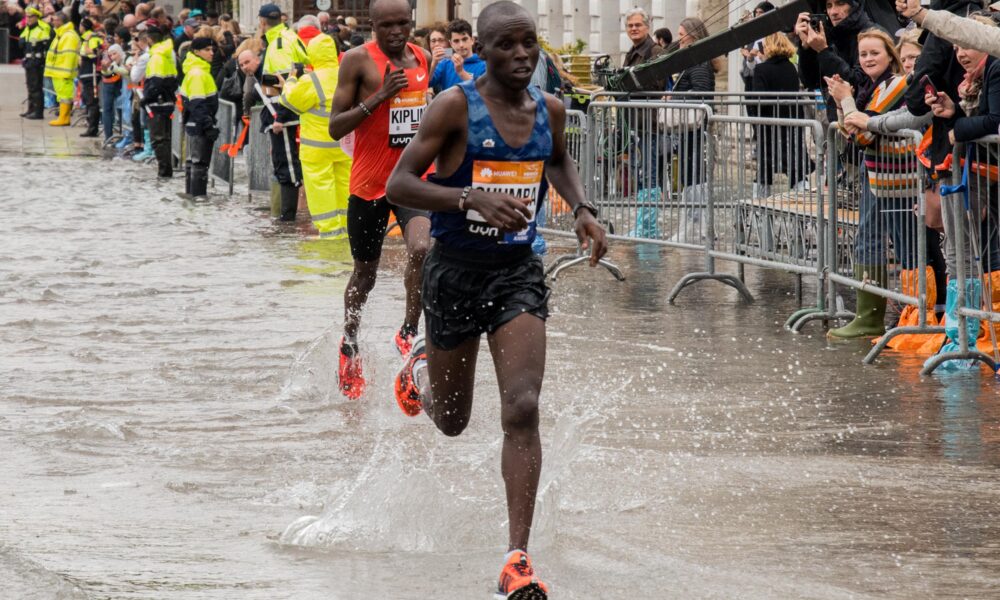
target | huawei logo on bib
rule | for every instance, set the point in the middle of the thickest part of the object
(397, 100)
(486, 172)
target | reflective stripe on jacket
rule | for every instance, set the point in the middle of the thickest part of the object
(63, 57)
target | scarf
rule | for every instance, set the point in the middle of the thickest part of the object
(867, 90)
(970, 88)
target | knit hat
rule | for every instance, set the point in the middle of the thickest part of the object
(202, 43)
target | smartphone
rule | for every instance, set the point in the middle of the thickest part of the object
(815, 19)
(929, 87)
(448, 52)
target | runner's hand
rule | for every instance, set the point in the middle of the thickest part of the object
(504, 211)
(392, 82)
(591, 235)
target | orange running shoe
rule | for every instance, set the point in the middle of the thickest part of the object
(407, 392)
(518, 581)
(350, 377)
(404, 342)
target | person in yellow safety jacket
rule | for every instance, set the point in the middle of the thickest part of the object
(61, 64)
(326, 168)
(90, 50)
(159, 95)
(284, 55)
(201, 101)
(35, 42)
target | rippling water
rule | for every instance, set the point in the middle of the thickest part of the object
(170, 428)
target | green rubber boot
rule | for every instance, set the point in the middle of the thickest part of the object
(869, 319)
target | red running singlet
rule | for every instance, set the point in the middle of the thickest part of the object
(380, 139)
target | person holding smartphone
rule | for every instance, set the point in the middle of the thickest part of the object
(831, 48)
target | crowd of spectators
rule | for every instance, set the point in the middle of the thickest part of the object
(871, 78)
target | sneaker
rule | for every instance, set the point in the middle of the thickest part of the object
(407, 392)
(404, 342)
(518, 581)
(350, 377)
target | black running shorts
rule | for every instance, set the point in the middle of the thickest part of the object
(466, 294)
(366, 223)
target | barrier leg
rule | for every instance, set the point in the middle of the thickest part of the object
(568, 261)
(888, 335)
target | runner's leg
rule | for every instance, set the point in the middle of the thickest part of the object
(447, 393)
(417, 234)
(366, 223)
(518, 349)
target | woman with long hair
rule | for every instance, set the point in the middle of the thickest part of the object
(689, 141)
(889, 182)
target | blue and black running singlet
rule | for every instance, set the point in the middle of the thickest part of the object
(490, 164)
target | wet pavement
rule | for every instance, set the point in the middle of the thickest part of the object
(171, 427)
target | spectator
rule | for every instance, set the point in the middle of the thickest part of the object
(140, 130)
(232, 27)
(753, 54)
(342, 37)
(113, 72)
(831, 48)
(663, 38)
(324, 21)
(690, 140)
(464, 65)
(437, 43)
(977, 114)
(637, 29)
(12, 19)
(889, 186)
(182, 16)
(779, 149)
(212, 18)
(356, 38)
(189, 28)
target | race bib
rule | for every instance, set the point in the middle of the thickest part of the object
(405, 111)
(519, 179)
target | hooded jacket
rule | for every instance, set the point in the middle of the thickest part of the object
(311, 96)
(839, 58)
(200, 96)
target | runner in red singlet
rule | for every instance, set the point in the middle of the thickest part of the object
(381, 95)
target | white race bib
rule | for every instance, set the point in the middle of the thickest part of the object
(405, 111)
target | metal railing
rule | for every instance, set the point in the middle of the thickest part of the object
(222, 163)
(258, 155)
(4, 45)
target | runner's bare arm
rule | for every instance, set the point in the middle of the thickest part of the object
(562, 173)
(440, 130)
(346, 112)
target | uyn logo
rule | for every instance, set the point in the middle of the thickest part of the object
(489, 143)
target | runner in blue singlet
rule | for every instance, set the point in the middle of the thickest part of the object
(497, 144)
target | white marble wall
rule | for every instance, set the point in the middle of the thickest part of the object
(600, 23)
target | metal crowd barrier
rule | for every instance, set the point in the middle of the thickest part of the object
(778, 192)
(970, 212)
(177, 139)
(222, 163)
(4, 45)
(258, 155)
(557, 212)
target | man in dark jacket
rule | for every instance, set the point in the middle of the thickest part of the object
(643, 47)
(831, 48)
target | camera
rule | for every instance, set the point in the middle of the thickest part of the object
(817, 19)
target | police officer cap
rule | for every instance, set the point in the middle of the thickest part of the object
(31, 10)
(270, 11)
(201, 43)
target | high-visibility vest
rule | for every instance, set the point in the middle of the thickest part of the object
(35, 40)
(284, 49)
(90, 44)
(161, 65)
(198, 83)
(63, 57)
(311, 96)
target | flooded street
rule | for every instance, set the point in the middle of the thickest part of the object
(171, 428)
